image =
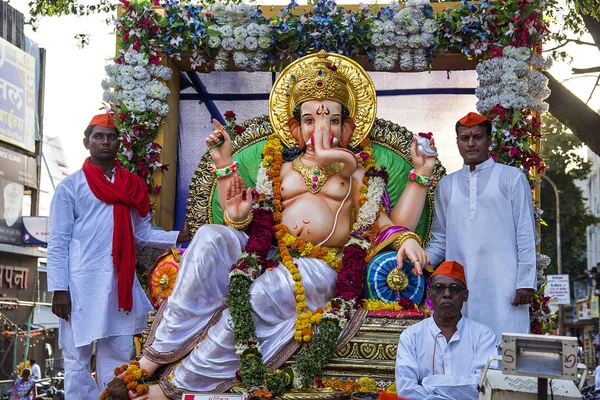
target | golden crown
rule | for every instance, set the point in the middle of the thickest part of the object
(322, 81)
(323, 76)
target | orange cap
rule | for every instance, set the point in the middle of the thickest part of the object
(103, 120)
(472, 119)
(451, 269)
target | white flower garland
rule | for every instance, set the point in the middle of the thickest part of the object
(406, 36)
(135, 86)
(509, 81)
(240, 32)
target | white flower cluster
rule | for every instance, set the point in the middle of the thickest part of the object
(264, 185)
(368, 212)
(406, 36)
(241, 347)
(542, 262)
(342, 315)
(135, 85)
(509, 82)
(237, 34)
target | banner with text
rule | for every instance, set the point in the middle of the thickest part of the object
(558, 289)
(17, 96)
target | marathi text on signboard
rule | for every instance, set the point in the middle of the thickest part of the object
(558, 289)
(17, 96)
(17, 274)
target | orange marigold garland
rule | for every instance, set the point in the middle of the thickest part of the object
(132, 377)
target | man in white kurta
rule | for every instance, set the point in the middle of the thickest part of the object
(442, 357)
(484, 220)
(80, 263)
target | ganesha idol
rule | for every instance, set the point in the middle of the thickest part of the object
(322, 207)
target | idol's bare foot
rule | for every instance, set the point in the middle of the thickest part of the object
(154, 393)
(148, 365)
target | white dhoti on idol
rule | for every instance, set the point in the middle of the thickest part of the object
(201, 290)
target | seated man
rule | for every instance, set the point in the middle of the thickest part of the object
(312, 205)
(442, 357)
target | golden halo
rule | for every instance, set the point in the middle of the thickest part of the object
(363, 100)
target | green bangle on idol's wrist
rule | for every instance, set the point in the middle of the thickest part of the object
(225, 171)
(420, 179)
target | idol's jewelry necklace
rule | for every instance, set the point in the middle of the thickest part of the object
(315, 177)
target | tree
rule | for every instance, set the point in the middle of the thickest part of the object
(565, 167)
(574, 19)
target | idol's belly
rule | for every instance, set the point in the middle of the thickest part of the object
(312, 219)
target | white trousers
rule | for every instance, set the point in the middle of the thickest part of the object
(111, 352)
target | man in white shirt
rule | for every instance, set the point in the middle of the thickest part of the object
(36, 372)
(97, 216)
(441, 357)
(484, 220)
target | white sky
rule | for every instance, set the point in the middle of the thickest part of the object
(73, 75)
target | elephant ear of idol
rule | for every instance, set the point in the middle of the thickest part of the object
(391, 149)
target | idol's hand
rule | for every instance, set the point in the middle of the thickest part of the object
(422, 165)
(326, 153)
(219, 146)
(239, 199)
(416, 255)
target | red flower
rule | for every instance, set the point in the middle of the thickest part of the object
(349, 283)
(164, 167)
(239, 129)
(406, 303)
(137, 45)
(154, 58)
(427, 135)
(229, 114)
(260, 233)
(157, 189)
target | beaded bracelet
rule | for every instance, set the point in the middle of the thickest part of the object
(226, 171)
(404, 236)
(239, 225)
(420, 179)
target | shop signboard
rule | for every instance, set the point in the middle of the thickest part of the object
(17, 273)
(583, 310)
(11, 205)
(594, 311)
(17, 167)
(17, 96)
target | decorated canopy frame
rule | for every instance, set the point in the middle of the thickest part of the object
(157, 39)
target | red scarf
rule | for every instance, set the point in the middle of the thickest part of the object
(128, 190)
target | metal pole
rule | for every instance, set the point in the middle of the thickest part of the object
(558, 248)
(542, 393)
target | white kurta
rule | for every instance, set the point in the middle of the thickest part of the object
(80, 261)
(430, 367)
(201, 289)
(484, 220)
